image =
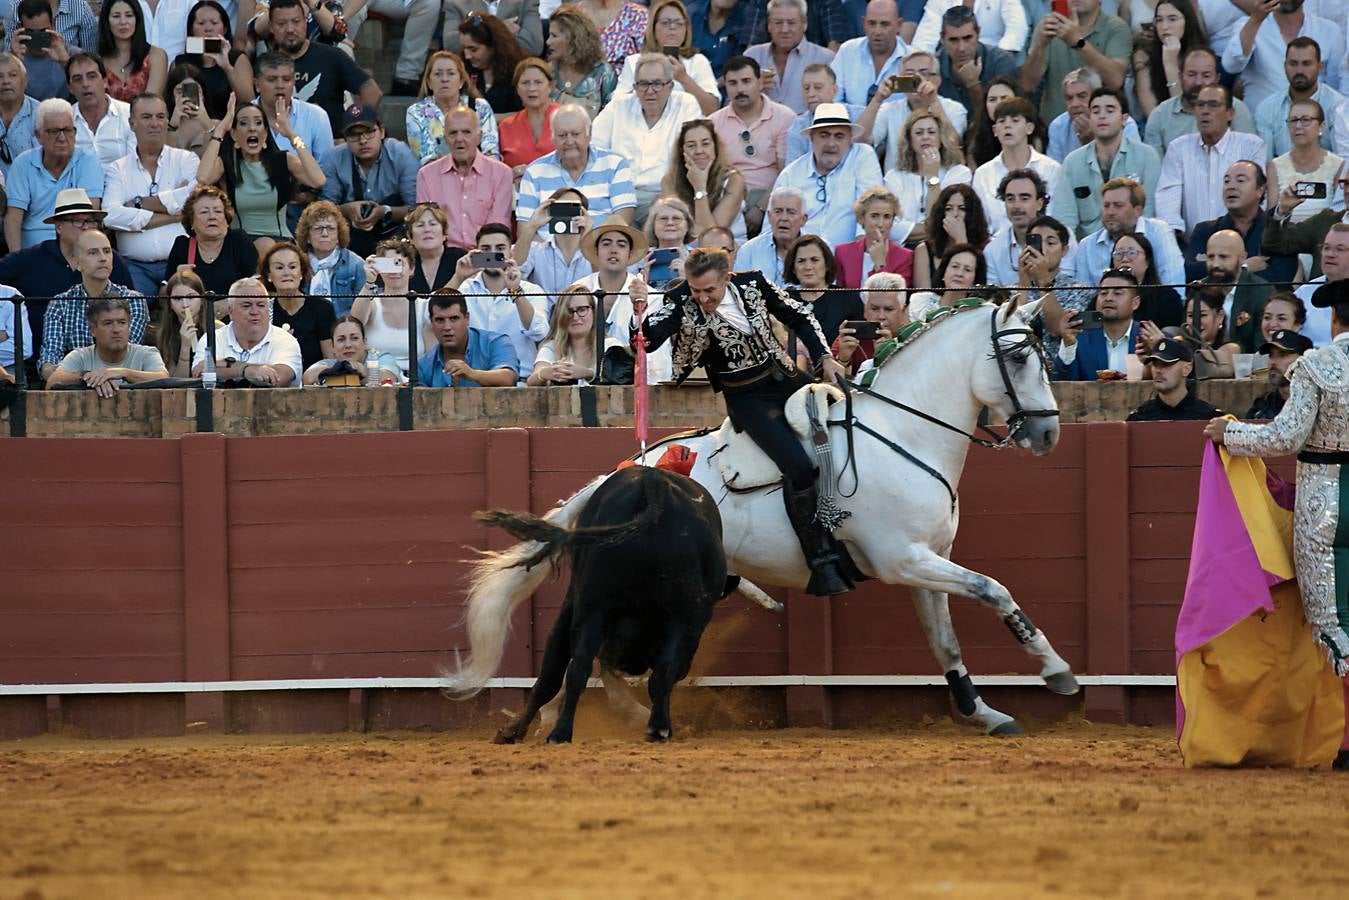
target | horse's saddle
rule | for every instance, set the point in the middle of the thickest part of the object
(744, 466)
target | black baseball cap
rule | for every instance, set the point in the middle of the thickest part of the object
(360, 114)
(1169, 350)
(1285, 339)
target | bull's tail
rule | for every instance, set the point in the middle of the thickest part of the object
(500, 582)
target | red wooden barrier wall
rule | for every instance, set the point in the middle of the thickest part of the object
(336, 556)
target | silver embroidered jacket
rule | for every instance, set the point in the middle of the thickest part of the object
(1316, 417)
(702, 339)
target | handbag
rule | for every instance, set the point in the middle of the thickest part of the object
(617, 366)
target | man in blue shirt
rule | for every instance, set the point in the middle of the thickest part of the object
(40, 173)
(863, 62)
(833, 175)
(465, 356)
(372, 177)
(18, 112)
(722, 29)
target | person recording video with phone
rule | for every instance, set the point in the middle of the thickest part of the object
(548, 243)
(1100, 340)
(1041, 276)
(500, 301)
(885, 312)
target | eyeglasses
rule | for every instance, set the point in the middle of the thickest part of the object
(1125, 253)
(81, 222)
(68, 132)
(154, 188)
(651, 85)
(5, 156)
(1303, 120)
(749, 148)
(579, 310)
(324, 228)
(821, 194)
(361, 135)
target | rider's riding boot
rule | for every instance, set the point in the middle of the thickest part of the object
(826, 568)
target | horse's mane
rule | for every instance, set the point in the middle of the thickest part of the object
(888, 350)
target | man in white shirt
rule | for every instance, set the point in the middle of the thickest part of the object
(1013, 123)
(643, 127)
(1187, 190)
(786, 217)
(102, 123)
(883, 119)
(1257, 51)
(250, 347)
(144, 194)
(500, 300)
(613, 249)
(833, 175)
(1024, 197)
(1174, 117)
(864, 62)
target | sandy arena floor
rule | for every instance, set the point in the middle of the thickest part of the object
(925, 811)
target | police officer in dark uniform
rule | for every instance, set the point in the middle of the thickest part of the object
(720, 321)
(1172, 362)
(1283, 349)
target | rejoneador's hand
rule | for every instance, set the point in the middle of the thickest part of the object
(1216, 431)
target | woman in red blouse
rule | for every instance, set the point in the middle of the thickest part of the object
(874, 251)
(526, 135)
(134, 67)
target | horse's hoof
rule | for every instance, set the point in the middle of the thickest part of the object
(505, 737)
(659, 736)
(556, 738)
(1007, 729)
(1062, 683)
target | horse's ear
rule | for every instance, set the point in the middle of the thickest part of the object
(1005, 314)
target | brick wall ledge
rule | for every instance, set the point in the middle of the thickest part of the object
(242, 413)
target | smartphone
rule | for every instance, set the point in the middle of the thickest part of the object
(191, 92)
(487, 259)
(204, 45)
(864, 330)
(663, 256)
(560, 217)
(387, 265)
(38, 40)
(1060, 7)
(1035, 242)
(904, 84)
(1091, 319)
(1310, 190)
(366, 209)
(670, 51)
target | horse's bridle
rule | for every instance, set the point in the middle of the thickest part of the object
(994, 441)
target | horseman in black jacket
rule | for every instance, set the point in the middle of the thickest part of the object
(720, 321)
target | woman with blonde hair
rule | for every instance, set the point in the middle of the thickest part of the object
(528, 134)
(323, 233)
(179, 328)
(567, 353)
(927, 160)
(700, 175)
(669, 26)
(581, 74)
(433, 268)
(874, 251)
(445, 87)
(669, 227)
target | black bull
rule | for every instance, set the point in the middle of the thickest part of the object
(647, 569)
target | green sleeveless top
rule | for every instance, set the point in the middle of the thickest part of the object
(255, 204)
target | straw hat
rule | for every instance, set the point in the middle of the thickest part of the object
(614, 223)
(73, 202)
(833, 115)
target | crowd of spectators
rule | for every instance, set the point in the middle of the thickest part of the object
(1167, 176)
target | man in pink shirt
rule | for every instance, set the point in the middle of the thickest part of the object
(754, 130)
(472, 188)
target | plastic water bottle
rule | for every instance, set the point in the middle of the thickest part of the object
(208, 375)
(372, 368)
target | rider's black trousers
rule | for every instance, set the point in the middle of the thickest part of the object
(757, 410)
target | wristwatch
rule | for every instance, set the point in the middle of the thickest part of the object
(699, 195)
(934, 181)
(136, 201)
(1081, 42)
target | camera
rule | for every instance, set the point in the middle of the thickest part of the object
(487, 259)
(560, 216)
(1310, 190)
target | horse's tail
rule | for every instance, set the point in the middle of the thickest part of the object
(500, 582)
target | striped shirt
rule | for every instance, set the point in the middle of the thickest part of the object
(75, 22)
(64, 327)
(606, 182)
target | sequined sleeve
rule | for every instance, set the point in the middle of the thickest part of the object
(796, 316)
(662, 322)
(1290, 429)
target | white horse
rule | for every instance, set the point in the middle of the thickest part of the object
(914, 425)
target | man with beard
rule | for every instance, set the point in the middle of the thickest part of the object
(1122, 213)
(1244, 303)
(1244, 197)
(1172, 362)
(1283, 348)
(833, 175)
(1257, 53)
(1174, 117)
(1196, 162)
(322, 73)
(1302, 66)
(1083, 352)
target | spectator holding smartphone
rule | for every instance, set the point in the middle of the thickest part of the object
(886, 310)
(1103, 342)
(41, 49)
(548, 245)
(669, 231)
(1041, 276)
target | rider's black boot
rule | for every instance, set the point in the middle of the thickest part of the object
(826, 568)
